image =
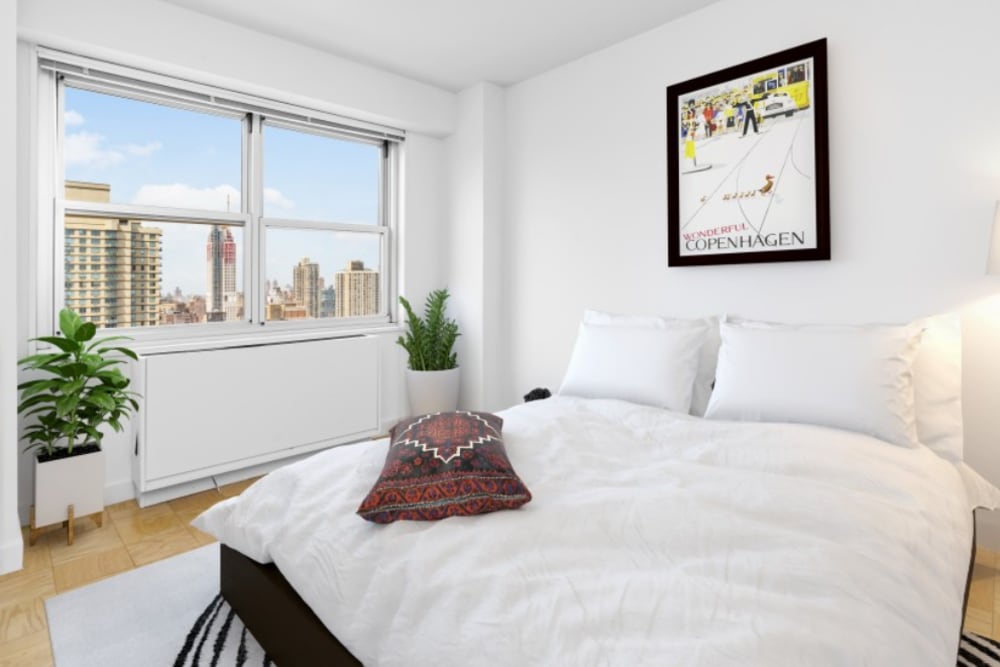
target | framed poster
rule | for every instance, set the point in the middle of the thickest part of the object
(747, 162)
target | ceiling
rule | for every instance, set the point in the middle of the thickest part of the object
(452, 44)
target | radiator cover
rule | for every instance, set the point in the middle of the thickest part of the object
(209, 412)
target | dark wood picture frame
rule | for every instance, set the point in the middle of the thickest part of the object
(769, 86)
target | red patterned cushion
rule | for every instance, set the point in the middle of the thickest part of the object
(444, 464)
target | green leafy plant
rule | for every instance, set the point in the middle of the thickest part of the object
(82, 388)
(429, 341)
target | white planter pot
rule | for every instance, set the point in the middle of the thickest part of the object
(76, 481)
(432, 391)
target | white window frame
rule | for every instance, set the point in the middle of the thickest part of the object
(57, 69)
(266, 223)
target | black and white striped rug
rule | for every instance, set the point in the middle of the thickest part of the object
(219, 637)
(977, 651)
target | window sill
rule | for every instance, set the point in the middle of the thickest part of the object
(246, 339)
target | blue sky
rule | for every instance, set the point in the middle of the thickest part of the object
(164, 156)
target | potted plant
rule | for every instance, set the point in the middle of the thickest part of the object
(432, 376)
(81, 388)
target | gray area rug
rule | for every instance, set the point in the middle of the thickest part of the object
(166, 613)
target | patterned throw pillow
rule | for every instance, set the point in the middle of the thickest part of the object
(444, 464)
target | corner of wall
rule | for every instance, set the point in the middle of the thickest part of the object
(475, 215)
(10, 527)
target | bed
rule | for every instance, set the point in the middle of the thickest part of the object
(653, 537)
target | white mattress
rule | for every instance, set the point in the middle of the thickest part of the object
(653, 538)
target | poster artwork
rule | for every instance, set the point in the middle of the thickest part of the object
(749, 184)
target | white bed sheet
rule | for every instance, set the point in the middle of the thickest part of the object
(652, 538)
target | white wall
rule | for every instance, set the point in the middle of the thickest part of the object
(10, 532)
(915, 172)
(192, 46)
(179, 42)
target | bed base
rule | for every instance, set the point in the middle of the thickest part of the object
(287, 629)
(292, 635)
(968, 577)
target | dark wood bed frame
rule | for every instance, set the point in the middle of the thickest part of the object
(293, 636)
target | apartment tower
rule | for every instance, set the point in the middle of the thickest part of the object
(305, 285)
(113, 267)
(357, 291)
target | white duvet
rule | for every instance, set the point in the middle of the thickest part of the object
(652, 538)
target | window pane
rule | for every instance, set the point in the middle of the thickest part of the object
(311, 177)
(313, 274)
(138, 273)
(129, 152)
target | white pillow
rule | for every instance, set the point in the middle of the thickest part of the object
(648, 365)
(937, 386)
(853, 378)
(708, 355)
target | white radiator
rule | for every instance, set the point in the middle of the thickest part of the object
(211, 412)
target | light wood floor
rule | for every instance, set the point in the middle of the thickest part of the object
(134, 537)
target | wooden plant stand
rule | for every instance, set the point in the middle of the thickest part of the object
(34, 531)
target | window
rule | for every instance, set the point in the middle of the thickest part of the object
(124, 151)
(315, 177)
(184, 209)
(314, 273)
(322, 239)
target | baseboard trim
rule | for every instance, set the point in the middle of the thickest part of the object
(147, 498)
(386, 427)
(119, 491)
(12, 553)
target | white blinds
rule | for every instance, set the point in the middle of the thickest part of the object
(107, 77)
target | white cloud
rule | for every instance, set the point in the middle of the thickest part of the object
(90, 150)
(86, 148)
(217, 198)
(71, 118)
(142, 150)
(180, 195)
(272, 196)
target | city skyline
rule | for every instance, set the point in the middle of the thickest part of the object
(114, 266)
(155, 155)
(355, 292)
(309, 297)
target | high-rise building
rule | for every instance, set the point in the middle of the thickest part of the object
(275, 311)
(220, 257)
(305, 286)
(113, 266)
(357, 291)
(233, 306)
(327, 304)
(294, 312)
